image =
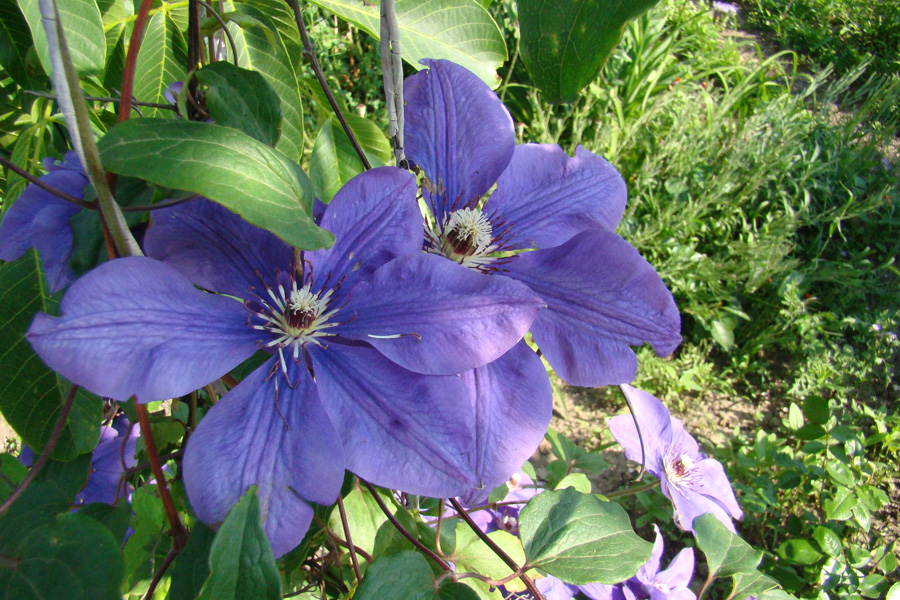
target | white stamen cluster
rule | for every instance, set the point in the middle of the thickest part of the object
(678, 468)
(296, 318)
(466, 238)
(471, 225)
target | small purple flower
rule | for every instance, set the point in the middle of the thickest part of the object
(650, 582)
(40, 220)
(549, 225)
(693, 482)
(348, 331)
(113, 455)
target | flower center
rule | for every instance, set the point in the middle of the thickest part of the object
(294, 315)
(468, 238)
(678, 468)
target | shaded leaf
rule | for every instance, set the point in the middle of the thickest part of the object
(364, 518)
(191, 569)
(402, 576)
(224, 165)
(566, 42)
(472, 554)
(241, 562)
(263, 46)
(799, 551)
(75, 558)
(241, 99)
(334, 161)
(15, 40)
(458, 30)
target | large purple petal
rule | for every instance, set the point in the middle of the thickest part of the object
(708, 478)
(555, 589)
(689, 505)
(431, 315)
(457, 131)
(602, 297)
(602, 591)
(648, 571)
(135, 326)
(284, 444)
(215, 248)
(546, 197)
(656, 429)
(40, 220)
(513, 403)
(399, 429)
(375, 218)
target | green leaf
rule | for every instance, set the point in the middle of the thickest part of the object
(148, 543)
(159, 64)
(402, 576)
(241, 562)
(191, 569)
(83, 29)
(15, 40)
(561, 446)
(894, 592)
(263, 47)
(13, 472)
(873, 586)
(580, 539)
(53, 491)
(751, 584)
(566, 42)
(364, 518)
(839, 472)
(472, 554)
(810, 431)
(816, 410)
(74, 558)
(726, 553)
(592, 462)
(458, 30)
(456, 591)
(578, 481)
(828, 540)
(334, 161)
(244, 175)
(115, 518)
(241, 99)
(840, 506)
(31, 395)
(800, 552)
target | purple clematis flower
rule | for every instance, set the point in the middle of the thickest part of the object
(112, 456)
(693, 482)
(549, 225)
(650, 582)
(40, 220)
(345, 328)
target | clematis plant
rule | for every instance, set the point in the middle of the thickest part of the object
(695, 483)
(343, 329)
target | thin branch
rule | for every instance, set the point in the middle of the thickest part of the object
(45, 186)
(632, 490)
(424, 549)
(157, 577)
(158, 205)
(392, 73)
(350, 546)
(497, 550)
(640, 437)
(218, 17)
(368, 557)
(45, 454)
(440, 521)
(134, 45)
(178, 532)
(309, 52)
(134, 103)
